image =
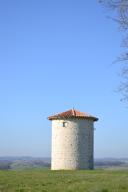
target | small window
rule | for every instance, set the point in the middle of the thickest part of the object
(64, 124)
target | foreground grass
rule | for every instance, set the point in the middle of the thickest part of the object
(39, 180)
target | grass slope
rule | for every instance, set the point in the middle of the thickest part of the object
(41, 180)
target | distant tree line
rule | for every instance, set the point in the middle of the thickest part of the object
(5, 165)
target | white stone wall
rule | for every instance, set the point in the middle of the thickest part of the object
(72, 145)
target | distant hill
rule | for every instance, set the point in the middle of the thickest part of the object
(40, 162)
(106, 163)
(23, 162)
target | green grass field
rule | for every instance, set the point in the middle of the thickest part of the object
(41, 180)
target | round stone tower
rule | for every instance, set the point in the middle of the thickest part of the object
(72, 140)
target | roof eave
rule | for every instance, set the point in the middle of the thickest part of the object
(72, 117)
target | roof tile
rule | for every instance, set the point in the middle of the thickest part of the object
(72, 113)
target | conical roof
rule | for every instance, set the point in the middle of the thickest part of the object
(72, 113)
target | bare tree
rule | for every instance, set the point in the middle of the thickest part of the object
(120, 9)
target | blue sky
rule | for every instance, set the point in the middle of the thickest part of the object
(55, 55)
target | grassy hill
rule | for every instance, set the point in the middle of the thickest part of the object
(44, 180)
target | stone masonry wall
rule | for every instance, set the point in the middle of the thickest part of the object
(72, 144)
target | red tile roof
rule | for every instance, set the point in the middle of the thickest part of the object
(72, 113)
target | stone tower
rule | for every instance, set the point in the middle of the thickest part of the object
(72, 140)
